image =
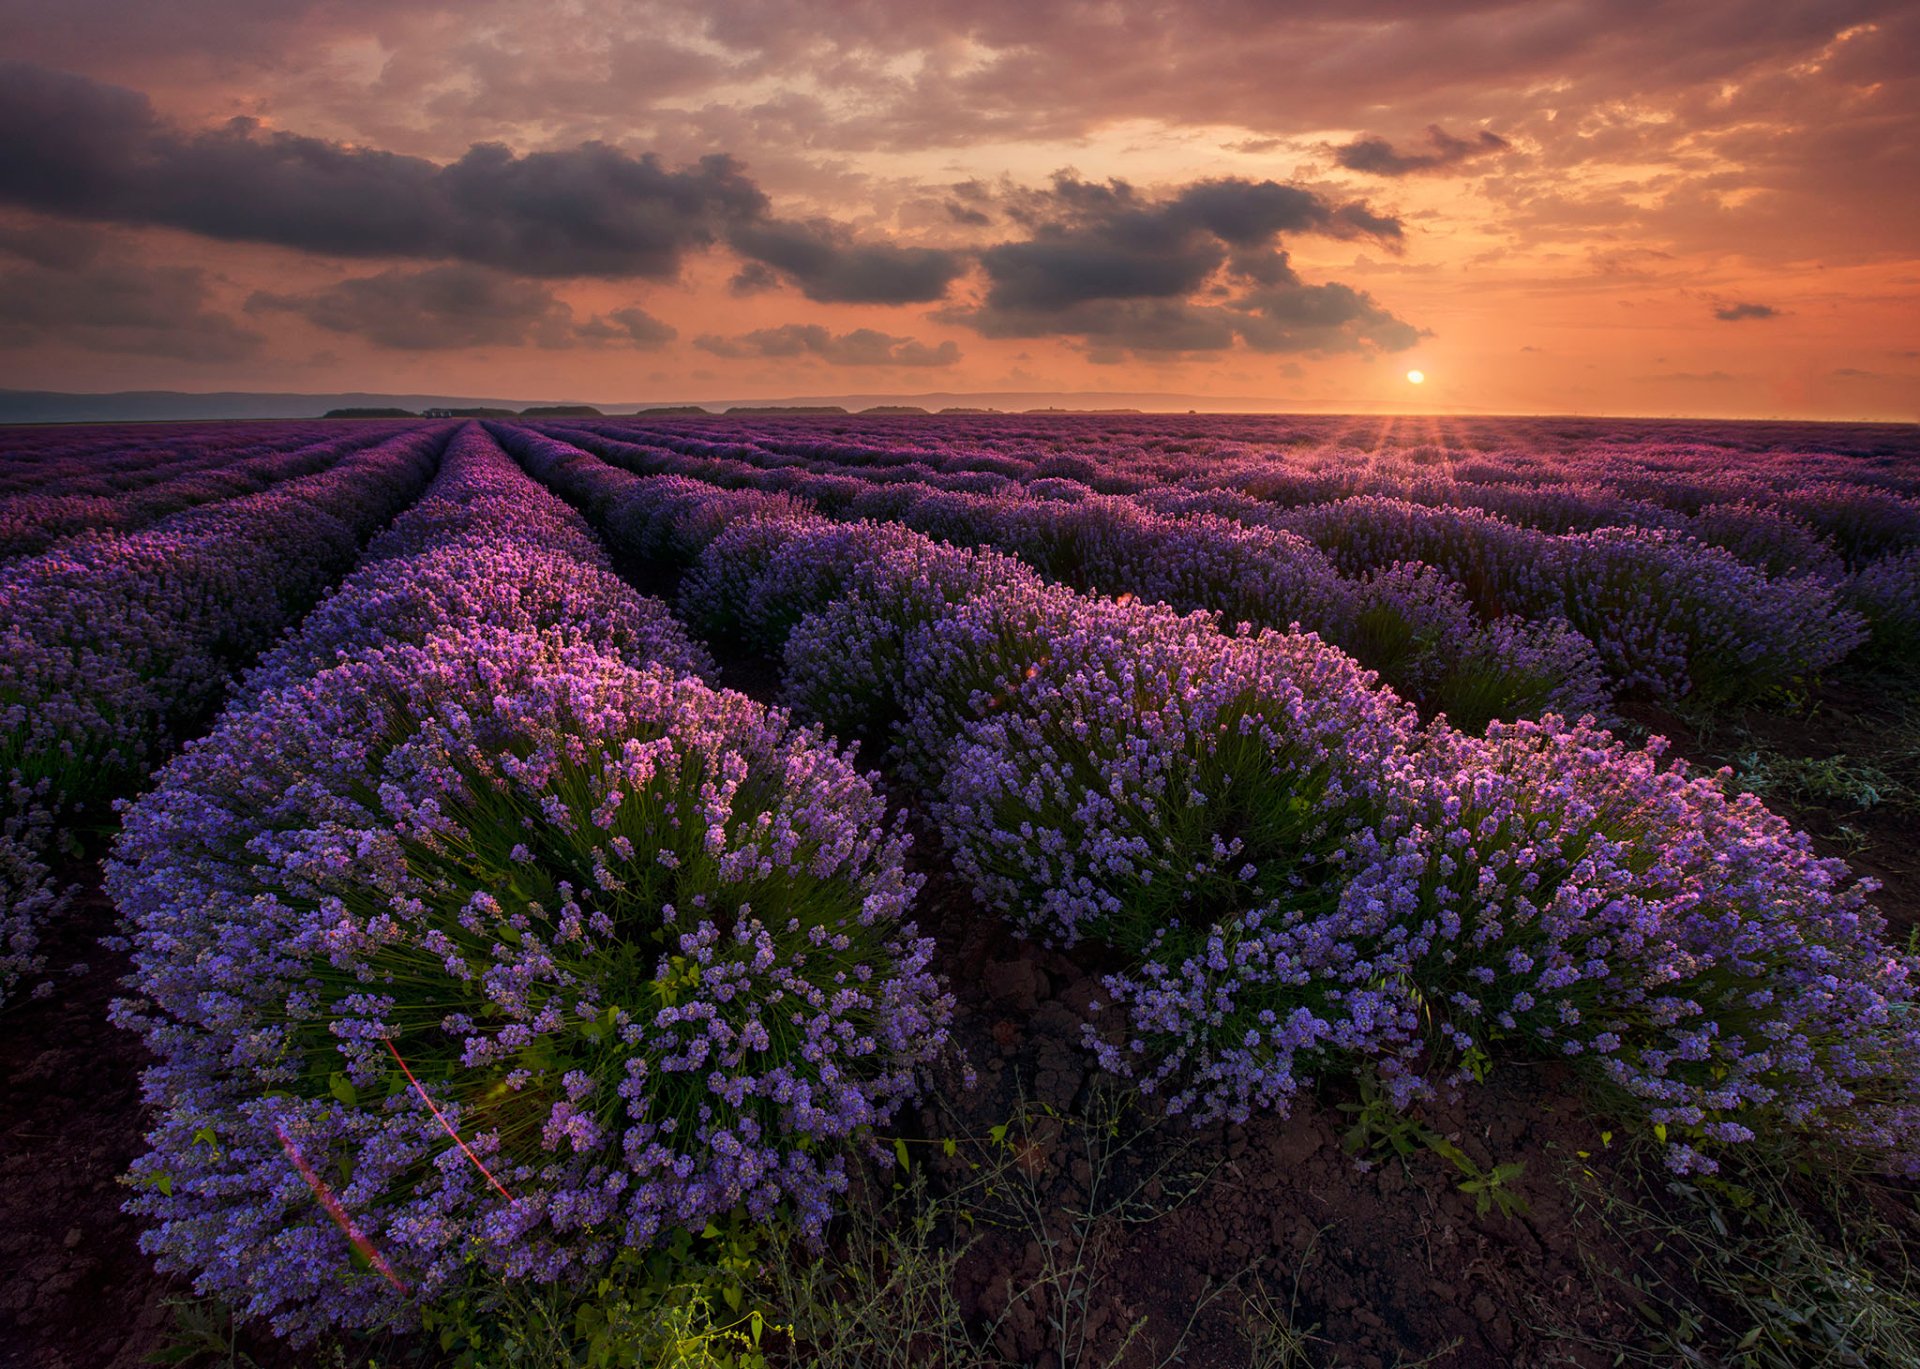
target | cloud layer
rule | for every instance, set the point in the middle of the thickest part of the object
(1525, 202)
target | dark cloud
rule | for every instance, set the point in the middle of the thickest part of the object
(1091, 242)
(1287, 317)
(75, 147)
(861, 347)
(967, 215)
(442, 308)
(87, 296)
(632, 325)
(827, 265)
(1376, 156)
(1295, 317)
(1733, 313)
(47, 243)
(445, 308)
(1120, 270)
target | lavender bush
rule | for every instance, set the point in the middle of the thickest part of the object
(1887, 594)
(1550, 889)
(1168, 798)
(526, 956)
(485, 547)
(111, 643)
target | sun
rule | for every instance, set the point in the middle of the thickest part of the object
(1416, 377)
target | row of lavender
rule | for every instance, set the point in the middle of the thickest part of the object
(481, 942)
(1795, 515)
(1859, 504)
(112, 645)
(1298, 876)
(103, 459)
(62, 506)
(1616, 611)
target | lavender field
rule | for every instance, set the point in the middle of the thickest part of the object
(1065, 890)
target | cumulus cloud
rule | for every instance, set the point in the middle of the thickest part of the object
(61, 287)
(827, 265)
(1733, 313)
(1375, 156)
(861, 347)
(1120, 269)
(445, 308)
(76, 147)
(632, 325)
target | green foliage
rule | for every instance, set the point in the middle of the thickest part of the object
(1380, 1127)
(204, 1335)
(1834, 780)
(690, 1302)
(1774, 1263)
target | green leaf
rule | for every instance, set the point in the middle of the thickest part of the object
(948, 1148)
(342, 1088)
(900, 1151)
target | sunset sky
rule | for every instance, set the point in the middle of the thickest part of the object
(1565, 206)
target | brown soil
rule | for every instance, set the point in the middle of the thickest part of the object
(75, 1292)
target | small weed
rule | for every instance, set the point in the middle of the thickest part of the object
(1275, 1340)
(1835, 780)
(1379, 1126)
(204, 1336)
(889, 1299)
(1772, 1264)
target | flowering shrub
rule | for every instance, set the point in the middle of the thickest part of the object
(674, 519)
(1550, 888)
(30, 897)
(486, 547)
(1672, 617)
(1775, 542)
(972, 661)
(56, 507)
(1887, 594)
(514, 956)
(110, 643)
(1414, 626)
(1168, 795)
(718, 589)
(846, 661)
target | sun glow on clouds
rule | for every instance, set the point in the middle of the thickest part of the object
(1626, 195)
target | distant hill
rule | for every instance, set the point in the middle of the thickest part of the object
(51, 406)
(128, 406)
(125, 406)
(787, 409)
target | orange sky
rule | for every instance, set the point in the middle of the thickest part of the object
(1598, 206)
